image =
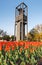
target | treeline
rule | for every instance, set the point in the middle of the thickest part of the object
(34, 35)
(8, 38)
(4, 36)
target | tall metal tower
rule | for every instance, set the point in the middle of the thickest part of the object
(21, 17)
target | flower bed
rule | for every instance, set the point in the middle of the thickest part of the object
(20, 53)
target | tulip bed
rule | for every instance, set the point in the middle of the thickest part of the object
(20, 53)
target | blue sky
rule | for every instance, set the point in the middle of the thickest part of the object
(7, 14)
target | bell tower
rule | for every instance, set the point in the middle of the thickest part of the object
(21, 17)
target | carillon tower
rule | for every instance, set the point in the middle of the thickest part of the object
(21, 17)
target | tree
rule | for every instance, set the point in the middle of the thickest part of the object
(40, 36)
(33, 35)
(0, 38)
(6, 37)
(29, 37)
(2, 33)
(39, 28)
(12, 37)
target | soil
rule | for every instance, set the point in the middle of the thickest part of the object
(40, 62)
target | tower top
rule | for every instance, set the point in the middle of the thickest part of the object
(21, 5)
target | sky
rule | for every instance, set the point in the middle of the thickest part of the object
(7, 14)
